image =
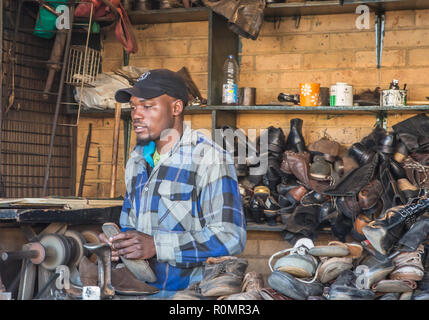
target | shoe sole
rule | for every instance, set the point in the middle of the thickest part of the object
(319, 177)
(139, 268)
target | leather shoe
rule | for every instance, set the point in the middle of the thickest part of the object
(360, 153)
(325, 146)
(293, 288)
(370, 194)
(387, 144)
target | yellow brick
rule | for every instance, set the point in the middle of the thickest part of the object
(111, 65)
(287, 25)
(393, 119)
(161, 30)
(325, 60)
(352, 40)
(410, 76)
(259, 80)
(247, 63)
(261, 45)
(338, 22)
(311, 42)
(181, 29)
(400, 19)
(152, 63)
(418, 57)
(293, 79)
(166, 48)
(268, 247)
(406, 38)
(343, 135)
(200, 81)
(361, 77)
(278, 62)
(200, 121)
(252, 121)
(199, 46)
(267, 96)
(390, 58)
(250, 249)
(112, 50)
(418, 93)
(193, 64)
(422, 18)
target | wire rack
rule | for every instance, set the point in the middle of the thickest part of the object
(82, 66)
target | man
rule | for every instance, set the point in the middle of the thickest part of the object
(182, 203)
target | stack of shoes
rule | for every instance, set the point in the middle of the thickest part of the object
(251, 288)
(351, 271)
(224, 278)
(324, 185)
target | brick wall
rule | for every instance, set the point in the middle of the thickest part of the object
(325, 49)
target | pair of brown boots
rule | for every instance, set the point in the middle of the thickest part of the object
(123, 280)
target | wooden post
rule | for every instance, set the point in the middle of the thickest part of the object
(115, 149)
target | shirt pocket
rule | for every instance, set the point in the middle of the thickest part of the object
(175, 207)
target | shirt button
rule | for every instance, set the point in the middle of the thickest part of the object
(146, 189)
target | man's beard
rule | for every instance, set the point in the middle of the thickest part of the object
(143, 141)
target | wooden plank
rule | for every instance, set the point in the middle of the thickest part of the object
(90, 215)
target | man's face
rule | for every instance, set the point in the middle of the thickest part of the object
(150, 117)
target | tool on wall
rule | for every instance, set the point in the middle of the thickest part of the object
(380, 20)
(85, 161)
(115, 149)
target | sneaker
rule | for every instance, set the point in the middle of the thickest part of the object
(298, 262)
(408, 265)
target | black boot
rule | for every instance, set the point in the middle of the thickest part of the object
(360, 153)
(385, 232)
(295, 140)
(415, 236)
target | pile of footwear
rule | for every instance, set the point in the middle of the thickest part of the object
(349, 271)
(323, 185)
(224, 278)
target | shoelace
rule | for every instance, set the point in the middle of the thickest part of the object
(412, 164)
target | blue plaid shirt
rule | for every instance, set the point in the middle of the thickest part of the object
(190, 203)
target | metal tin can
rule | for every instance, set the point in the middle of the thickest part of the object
(393, 98)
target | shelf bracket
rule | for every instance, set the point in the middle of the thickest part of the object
(380, 19)
(381, 119)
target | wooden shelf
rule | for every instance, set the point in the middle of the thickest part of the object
(312, 110)
(334, 7)
(252, 226)
(277, 10)
(274, 109)
(169, 15)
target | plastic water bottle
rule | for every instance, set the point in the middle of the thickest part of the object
(230, 80)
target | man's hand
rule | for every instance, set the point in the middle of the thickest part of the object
(104, 239)
(133, 245)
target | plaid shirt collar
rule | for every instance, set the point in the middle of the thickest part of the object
(188, 138)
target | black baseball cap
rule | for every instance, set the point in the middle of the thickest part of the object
(155, 83)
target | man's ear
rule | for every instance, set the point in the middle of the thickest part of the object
(177, 107)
